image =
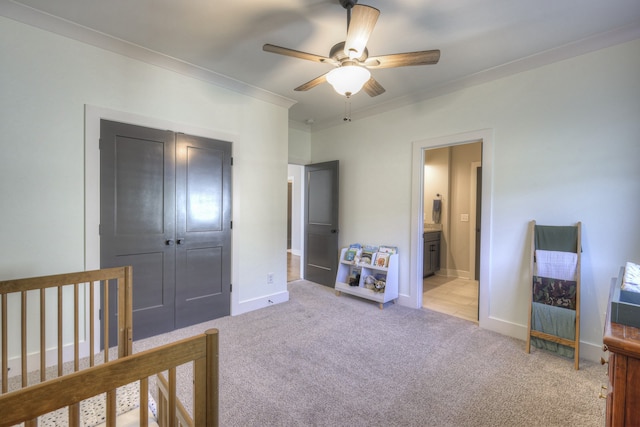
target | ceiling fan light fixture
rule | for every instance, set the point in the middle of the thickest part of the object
(348, 79)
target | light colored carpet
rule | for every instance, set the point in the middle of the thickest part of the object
(326, 360)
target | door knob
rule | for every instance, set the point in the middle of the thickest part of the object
(169, 242)
(180, 241)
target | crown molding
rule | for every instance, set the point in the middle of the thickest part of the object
(590, 44)
(65, 28)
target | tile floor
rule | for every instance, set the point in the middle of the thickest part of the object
(451, 295)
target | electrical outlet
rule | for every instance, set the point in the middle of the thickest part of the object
(269, 278)
(464, 217)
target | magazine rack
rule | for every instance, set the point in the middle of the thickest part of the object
(554, 309)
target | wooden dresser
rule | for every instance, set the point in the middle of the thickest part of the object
(623, 394)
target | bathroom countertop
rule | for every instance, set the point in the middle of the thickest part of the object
(432, 227)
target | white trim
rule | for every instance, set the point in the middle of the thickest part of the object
(261, 302)
(472, 218)
(414, 299)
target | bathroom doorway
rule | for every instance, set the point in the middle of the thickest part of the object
(451, 204)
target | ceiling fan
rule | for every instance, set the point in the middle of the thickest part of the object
(351, 57)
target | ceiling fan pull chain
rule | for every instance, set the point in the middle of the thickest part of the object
(347, 110)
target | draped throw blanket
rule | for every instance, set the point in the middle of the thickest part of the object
(555, 292)
(553, 320)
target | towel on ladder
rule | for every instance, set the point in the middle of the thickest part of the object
(556, 265)
(558, 321)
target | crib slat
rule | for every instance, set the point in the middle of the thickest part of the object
(5, 368)
(59, 331)
(105, 319)
(92, 334)
(74, 415)
(23, 329)
(172, 395)
(127, 347)
(144, 401)
(43, 336)
(76, 330)
(111, 408)
(199, 390)
(213, 380)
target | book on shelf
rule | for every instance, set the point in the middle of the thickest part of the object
(367, 254)
(354, 277)
(388, 249)
(381, 259)
(352, 253)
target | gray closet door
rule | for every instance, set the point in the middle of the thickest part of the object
(321, 223)
(137, 218)
(165, 203)
(203, 229)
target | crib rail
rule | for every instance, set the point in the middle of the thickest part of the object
(25, 405)
(33, 295)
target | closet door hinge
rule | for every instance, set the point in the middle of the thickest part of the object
(231, 161)
(230, 287)
(231, 225)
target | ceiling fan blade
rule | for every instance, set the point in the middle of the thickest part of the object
(312, 83)
(373, 88)
(425, 57)
(363, 19)
(297, 54)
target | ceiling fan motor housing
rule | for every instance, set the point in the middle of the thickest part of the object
(337, 53)
(348, 4)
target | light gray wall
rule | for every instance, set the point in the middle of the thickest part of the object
(565, 148)
(46, 83)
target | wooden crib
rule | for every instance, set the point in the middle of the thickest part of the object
(71, 370)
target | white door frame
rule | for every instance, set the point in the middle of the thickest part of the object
(414, 298)
(472, 218)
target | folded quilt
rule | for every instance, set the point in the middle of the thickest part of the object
(556, 264)
(631, 278)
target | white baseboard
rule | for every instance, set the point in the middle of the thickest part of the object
(14, 364)
(588, 351)
(261, 302)
(460, 274)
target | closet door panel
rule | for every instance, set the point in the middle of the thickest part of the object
(137, 218)
(203, 212)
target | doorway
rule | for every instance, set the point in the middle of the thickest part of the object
(450, 178)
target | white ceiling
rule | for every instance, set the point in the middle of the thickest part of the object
(222, 41)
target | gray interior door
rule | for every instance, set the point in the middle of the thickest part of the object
(165, 209)
(137, 218)
(321, 223)
(203, 230)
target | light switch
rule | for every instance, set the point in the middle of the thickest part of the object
(464, 217)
